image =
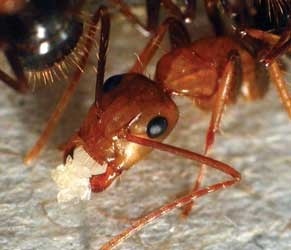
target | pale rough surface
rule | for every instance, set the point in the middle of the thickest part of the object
(251, 216)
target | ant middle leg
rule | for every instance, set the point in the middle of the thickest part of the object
(228, 85)
(178, 35)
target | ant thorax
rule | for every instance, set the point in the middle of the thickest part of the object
(73, 177)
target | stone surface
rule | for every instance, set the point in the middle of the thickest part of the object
(253, 215)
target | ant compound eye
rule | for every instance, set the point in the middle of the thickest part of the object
(111, 83)
(157, 126)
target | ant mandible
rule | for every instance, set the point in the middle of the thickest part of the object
(43, 42)
(130, 117)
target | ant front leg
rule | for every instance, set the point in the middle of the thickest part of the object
(102, 14)
(20, 84)
(227, 86)
(180, 202)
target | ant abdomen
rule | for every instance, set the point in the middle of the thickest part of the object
(48, 41)
(46, 37)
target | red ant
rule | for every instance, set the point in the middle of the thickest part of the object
(228, 67)
(130, 116)
(220, 60)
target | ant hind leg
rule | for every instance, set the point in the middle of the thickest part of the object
(279, 45)
(281, 86)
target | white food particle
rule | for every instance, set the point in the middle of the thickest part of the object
(73, 178)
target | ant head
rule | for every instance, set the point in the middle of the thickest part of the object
(131, 103)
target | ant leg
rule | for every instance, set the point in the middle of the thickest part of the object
(69, 91)
(179, 36)
(152, 46)
(280, 47)
(267, 37)
(153, 14)
(279, 44)
(227, 82)
(180, 202)
(150, 49)
(153, 9)
(213, 15)
(20, 84)
(283, 45)
(173, 9)
(230, 77)
(132, 18)
(281, 85)
(138, 224)
(190, 10)
(103, 46)
(275, 41)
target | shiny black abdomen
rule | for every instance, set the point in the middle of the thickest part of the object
(42, 34)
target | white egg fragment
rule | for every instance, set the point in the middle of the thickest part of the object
(72, 178)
